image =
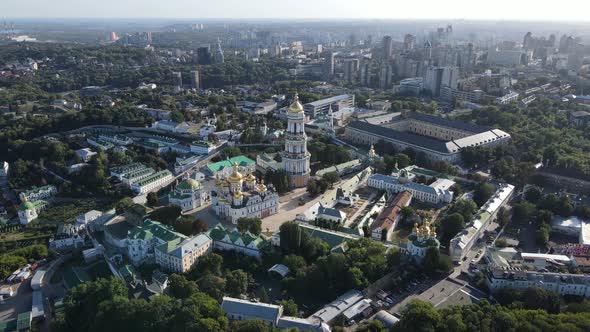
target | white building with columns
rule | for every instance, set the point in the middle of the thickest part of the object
(296, 158)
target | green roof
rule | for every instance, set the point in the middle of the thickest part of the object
(23, 321)
(127, 272)
(167, 247)
(153, 177)
(240, 160)
(151, 229)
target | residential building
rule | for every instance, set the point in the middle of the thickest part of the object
(85, 154)
(238, 309)
(116, 139)
(239, 196)
(90, 216)
(99, 143)
(152, 182)
(507, 98)
(188, 194)
(383, 227)
(436, 193)
(462, 242)
(203, 147)
(44, 192)
(245, 243)
(271, 314)
(321, 107)
(66, 237)
(296, 158)
(181, 255)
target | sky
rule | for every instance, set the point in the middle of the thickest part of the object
(535, 10)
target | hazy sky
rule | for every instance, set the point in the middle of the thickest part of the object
(564, 10)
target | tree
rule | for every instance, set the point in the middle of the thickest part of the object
(451, 225)
(295, 263)
(210, 264)
(523, 211)
(312, 188)
(465, 207)
(123, 204)
(152, 199)
(199, 226)
(184, 225)
(254, 325)
(166, 215)
(212, 285)
(402, 160)
(564, 207)
(289, 308)
(331, 177)
(236, 282)
(253, 225)
(419, 316)
(407, 213)
(180, 287)
(503, 216)
(533, 195)
(482, 193)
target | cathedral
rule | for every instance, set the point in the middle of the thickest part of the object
(240, 196)
(188, 195)
(296, 157)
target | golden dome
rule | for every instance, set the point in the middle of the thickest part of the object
(296, 106)
(235, 175)
(261, 186)
(238, 194)
(251, 177)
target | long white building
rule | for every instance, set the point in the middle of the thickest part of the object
(436, 193)
(462, 242)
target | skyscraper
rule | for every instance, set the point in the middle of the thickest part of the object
(409, 42)
(329, 65)
(351, 67)
(195, 80)
(296, 159)
(385, 76)
(387, 47)
(177, 81)
(218, 56)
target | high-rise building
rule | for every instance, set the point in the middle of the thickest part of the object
(409, 42)
(351, 67)
(329, 65)
(177, 81)
(195, 80)
(204, 55)
(218, 57)
(365, 73)
(437, 77)
(387, 47)
(296, 159)
(385, 76)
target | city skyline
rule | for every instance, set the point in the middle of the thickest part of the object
(302, 9)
